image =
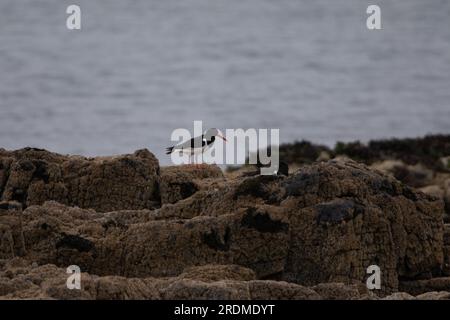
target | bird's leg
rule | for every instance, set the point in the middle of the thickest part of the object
(196, 161)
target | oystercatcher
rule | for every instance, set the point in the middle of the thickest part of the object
(197, 145)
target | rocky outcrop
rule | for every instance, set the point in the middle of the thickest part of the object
(427, 150)
(191, 232)
(21, 280)
(325, 223)
(33, 176)
(344, 218)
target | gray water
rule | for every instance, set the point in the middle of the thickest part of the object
(139, 69)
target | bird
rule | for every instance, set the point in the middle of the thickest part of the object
(197, 145)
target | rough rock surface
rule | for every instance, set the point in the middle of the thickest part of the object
(21, 280)
(399, 296)
(181, 182)
(33, 176)
(427, 285)
(344, 218)
(195, 233)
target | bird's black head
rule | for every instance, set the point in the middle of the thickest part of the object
(211, 134)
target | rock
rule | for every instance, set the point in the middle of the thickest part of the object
(12, 243)
(342, 213)
(235, 238)
(446, 235)
(422, 286)
(446, 265)
(165, 248)
(280, 290)
(323, 156)
(427, 151)
(211, 273)
(303, 152)
(446, 186)
(339, 291)
(20, 280)
(442, 295)
(446, 162)
(56, 234)
(227, 197)
(33, 176)
(181, 182)
(434, 191)
(412, 175)
(399, 296)
(196, 290)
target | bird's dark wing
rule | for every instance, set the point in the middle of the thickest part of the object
(169, 150)
(197, 142)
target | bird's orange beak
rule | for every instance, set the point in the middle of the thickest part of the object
(224, 139)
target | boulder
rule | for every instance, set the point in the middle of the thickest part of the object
(344, 217)
(33, 176)
(99, 244)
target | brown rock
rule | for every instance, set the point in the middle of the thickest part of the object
(344, 217)
(280, 290)
(33, 176)
(99, 244)
(186, 289)
(422, 286)
(442, 295)
(434, 191)
(211, 273)
(399, 296)
(338, 291)
(325, 223)
(181, 182)
(413, 175)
